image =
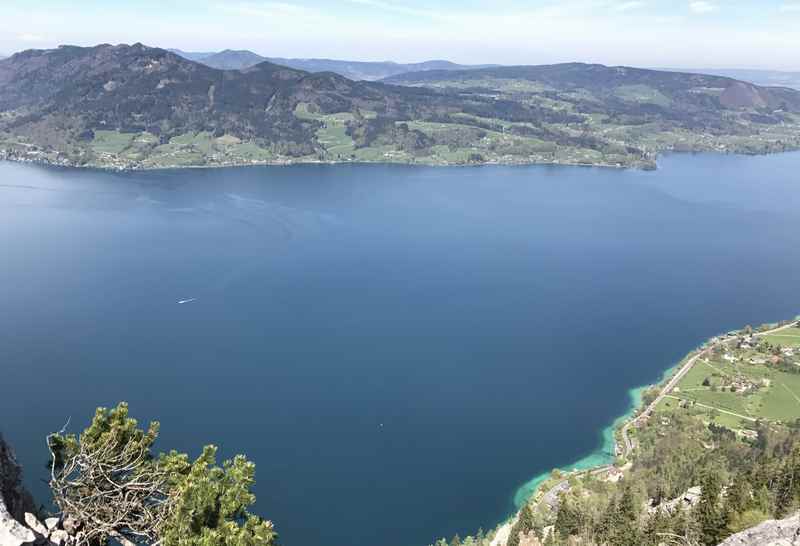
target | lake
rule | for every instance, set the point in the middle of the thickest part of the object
(398, 349)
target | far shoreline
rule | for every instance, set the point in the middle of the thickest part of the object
(655, 166)
(292, 163)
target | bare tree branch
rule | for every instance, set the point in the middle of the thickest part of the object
(112, 491)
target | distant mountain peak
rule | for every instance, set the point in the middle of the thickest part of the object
(242, 59)
(231, 59)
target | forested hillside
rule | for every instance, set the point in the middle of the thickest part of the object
(141, 107)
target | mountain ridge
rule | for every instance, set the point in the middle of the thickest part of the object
(536, 72)
(134, 106)
(230, 59)
(761, 77)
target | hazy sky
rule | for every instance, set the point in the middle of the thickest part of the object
(667, 33)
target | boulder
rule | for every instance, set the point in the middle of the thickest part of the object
(785, 532)
(33, 523)
(12, 532)
(59, 537)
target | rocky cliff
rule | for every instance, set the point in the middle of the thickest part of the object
(19, 526)
(785, 532)
(15, 501)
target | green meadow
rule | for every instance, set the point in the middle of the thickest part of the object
(786, 338)
(751, 391)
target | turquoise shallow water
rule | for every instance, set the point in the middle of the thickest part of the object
(603, 455)
(398, 349)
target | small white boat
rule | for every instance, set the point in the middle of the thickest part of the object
(190, 300)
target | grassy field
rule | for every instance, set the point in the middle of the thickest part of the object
(669, 405)
(775, 394)
(783, 402)
(786, 338)
(111, 142)
(455, 143)
(333, 134)
(722, 400)
(642, 94)
(188, 149)
(504, 85)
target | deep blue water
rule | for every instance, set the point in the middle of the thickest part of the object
(397, 348)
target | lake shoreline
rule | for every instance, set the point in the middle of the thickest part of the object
(54, 159)
(292, 163)
(603, 456)
(608, 452)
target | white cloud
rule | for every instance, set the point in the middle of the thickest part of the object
(517, 32)
(397, 8)
(27, 37)
(629, 6)
(269, 9)
(701, 6)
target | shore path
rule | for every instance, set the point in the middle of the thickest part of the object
(627, 443)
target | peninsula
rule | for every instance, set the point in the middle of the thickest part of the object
(138, 107)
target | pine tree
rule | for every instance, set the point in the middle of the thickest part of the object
(167, 498)
(738, 498)
(524, 525)
(628, 532)
(657, 526)
(604, 530)
(788, 485)
(627, 506)
(681, 524)
(525, 520)
(710, 516)
(568, 518)
(761, 500)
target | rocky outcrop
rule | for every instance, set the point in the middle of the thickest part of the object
(785, 532)
(13, 533)
(15, 501)
(19, 526)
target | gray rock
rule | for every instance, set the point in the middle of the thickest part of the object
(33, 523)
(71, 525)
(785, 532)
(51, 523)
(12, 532)
(14, 501)
(59, 537)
